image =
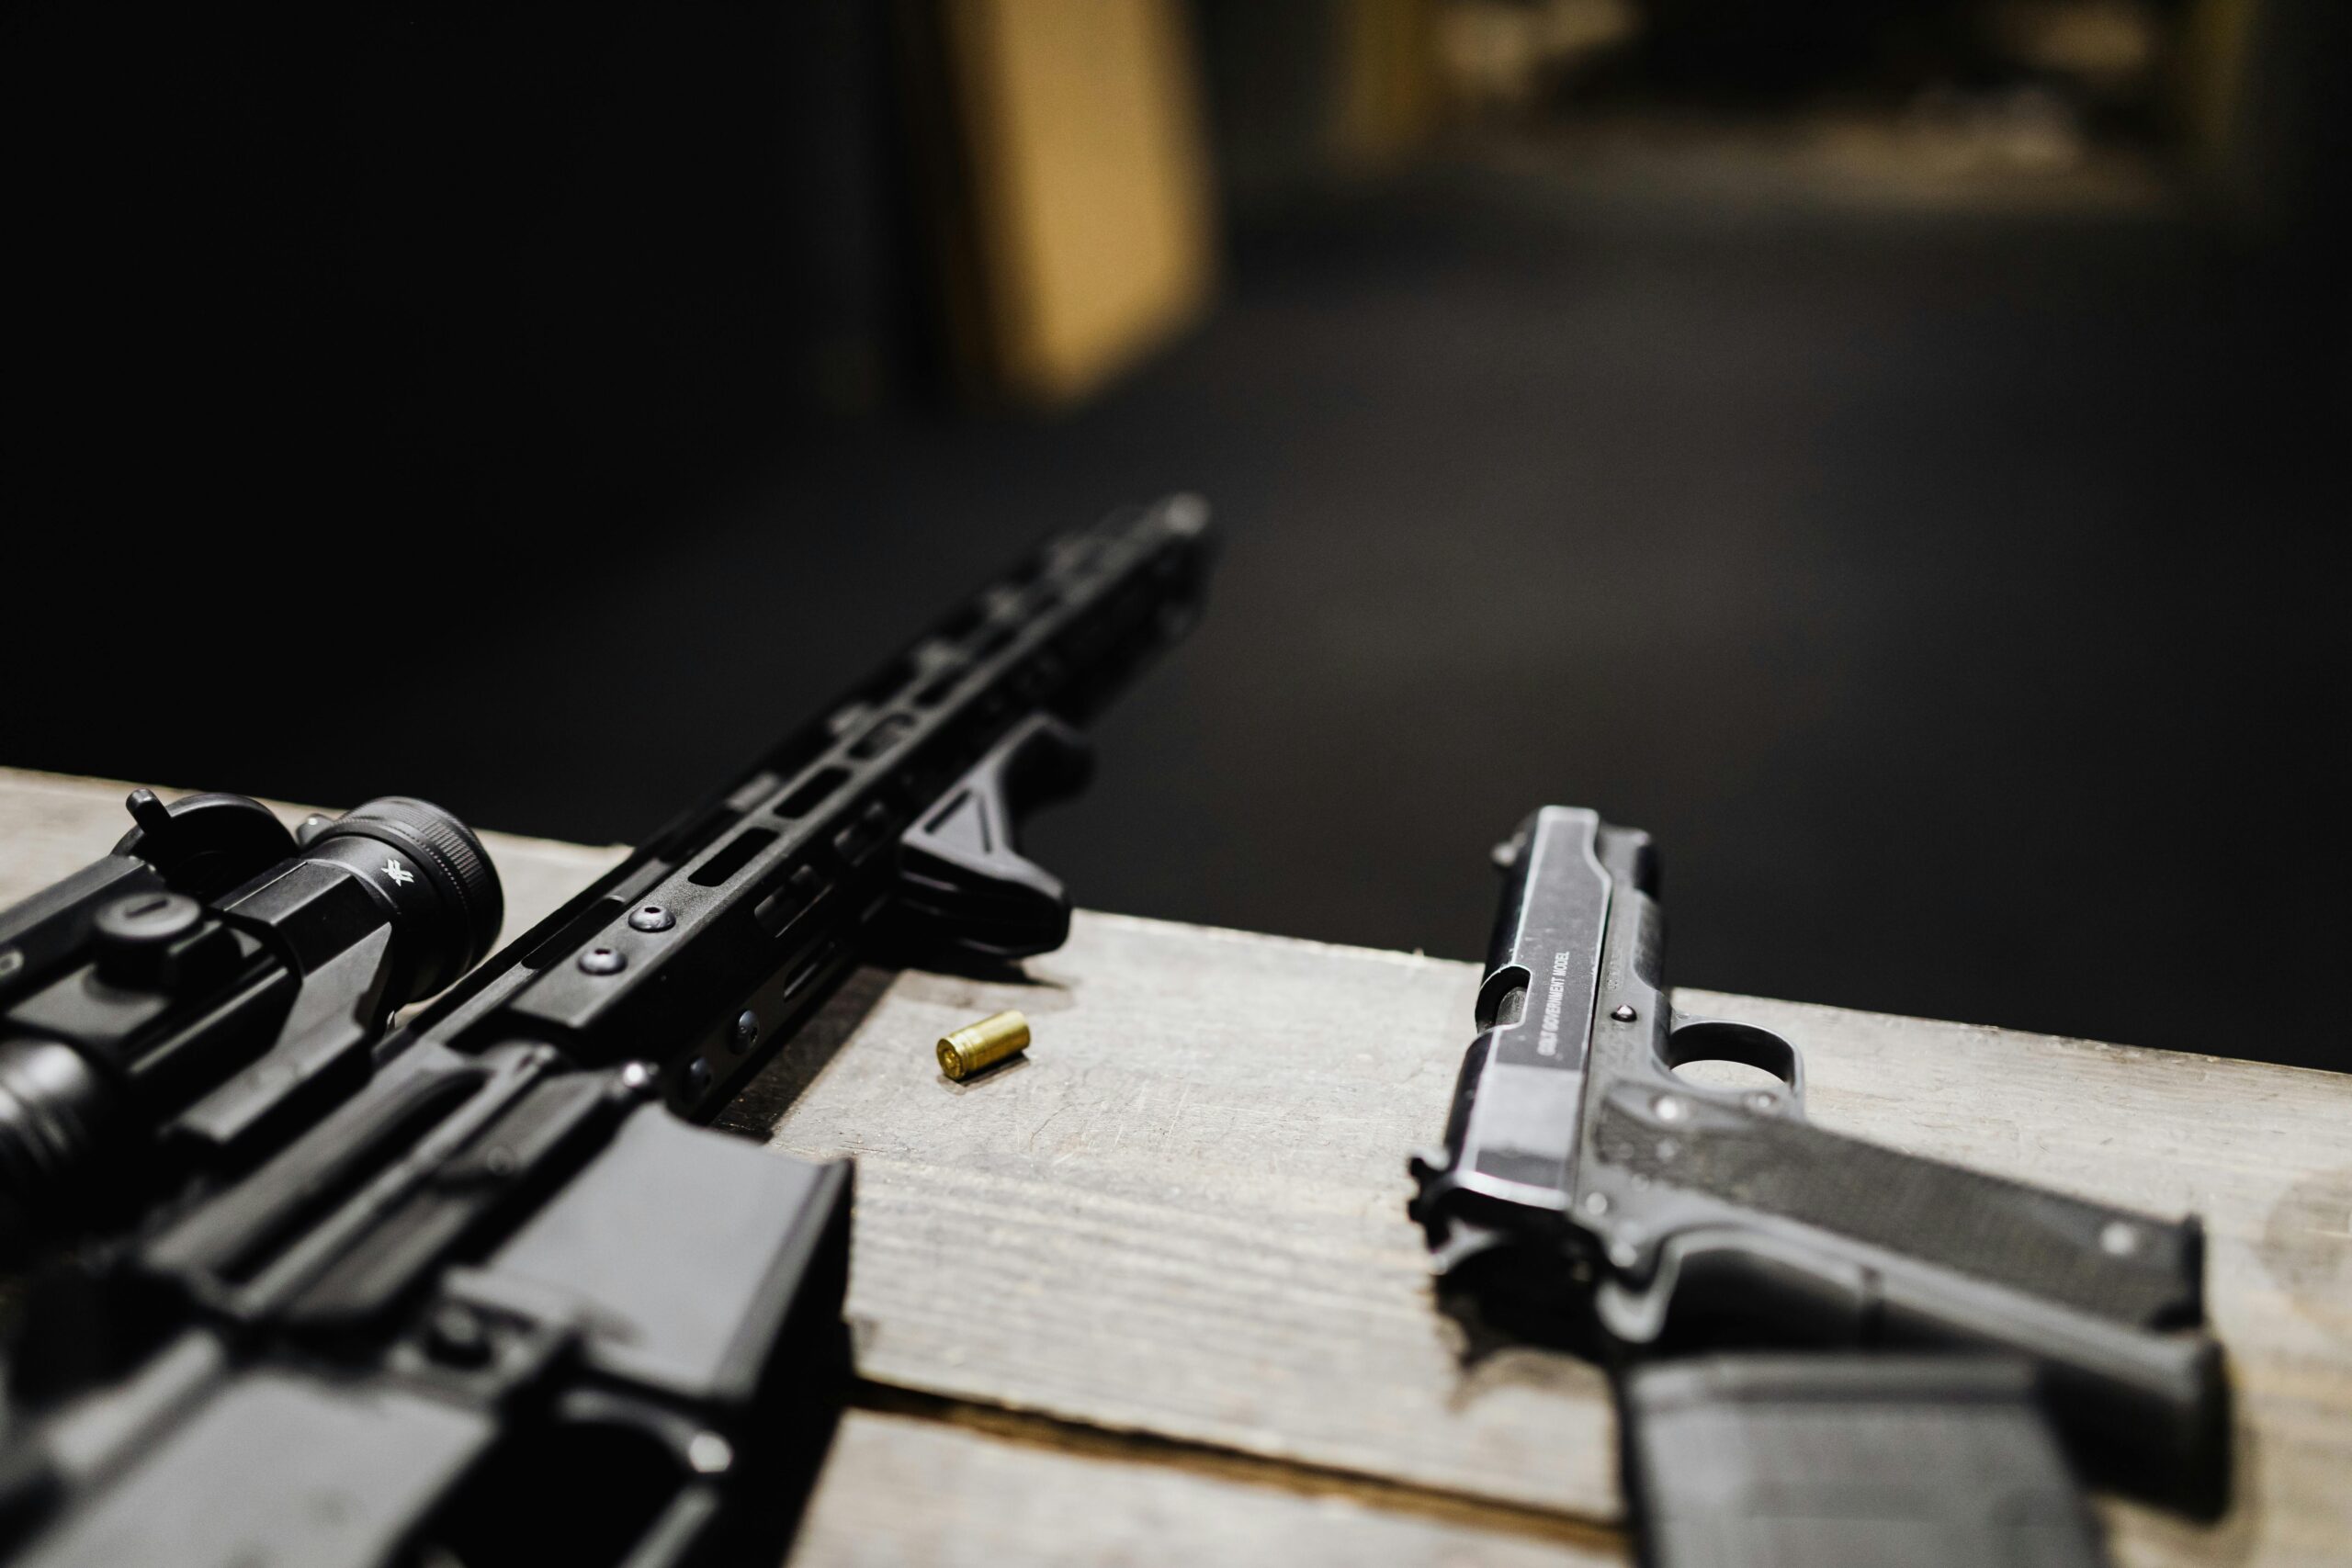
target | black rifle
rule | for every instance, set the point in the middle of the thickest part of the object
(479, 1295)
(1589, 1194)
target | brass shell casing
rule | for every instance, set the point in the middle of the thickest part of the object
(983, 1044)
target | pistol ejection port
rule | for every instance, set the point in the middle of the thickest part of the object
(976, 1046)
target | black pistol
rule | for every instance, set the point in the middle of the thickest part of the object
(485, 1294)
(1587, 1188)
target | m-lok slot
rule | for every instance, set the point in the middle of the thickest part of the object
(812, 792)
(738, 852)
(887, 733)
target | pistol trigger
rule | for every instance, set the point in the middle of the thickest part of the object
(1631, 1315)
(963, 885)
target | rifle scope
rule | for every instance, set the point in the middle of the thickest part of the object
(162, 1006)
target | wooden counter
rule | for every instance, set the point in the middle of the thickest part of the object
(1149, 1294)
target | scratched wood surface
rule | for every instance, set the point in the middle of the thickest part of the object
(1150, 1296)
(901, 1489)
(1182, 1214)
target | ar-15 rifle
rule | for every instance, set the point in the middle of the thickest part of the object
(1589, 1194)
(473, 1295)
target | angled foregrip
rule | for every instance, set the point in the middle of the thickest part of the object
(964, 886)
(1912, 1251)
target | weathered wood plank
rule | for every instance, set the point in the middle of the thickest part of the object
(897, 1489)
(1182, 1214)
(51, 826)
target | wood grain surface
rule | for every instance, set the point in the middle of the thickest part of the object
(1183, 1213)
(900, 1489)
(1147, 1293)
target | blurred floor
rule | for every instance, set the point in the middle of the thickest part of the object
(1943, 587)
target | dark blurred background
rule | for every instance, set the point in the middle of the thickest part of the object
(1893, 451)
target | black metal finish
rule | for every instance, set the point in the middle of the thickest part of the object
(209, 979)
(469, 1290)
(1811, 1461)
(494, 1310)
(962, 887)
(889, 817)
(1587, 1186)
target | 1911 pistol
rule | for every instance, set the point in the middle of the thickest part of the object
(1586, 1185)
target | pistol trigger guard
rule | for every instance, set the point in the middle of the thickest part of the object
(1722, 1040)
(964, 886)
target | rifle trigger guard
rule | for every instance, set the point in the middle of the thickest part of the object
(963, 884)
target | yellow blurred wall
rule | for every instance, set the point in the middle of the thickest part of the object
(1093, 227)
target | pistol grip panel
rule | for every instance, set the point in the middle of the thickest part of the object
(2127, 1267)
(1769, 1231)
